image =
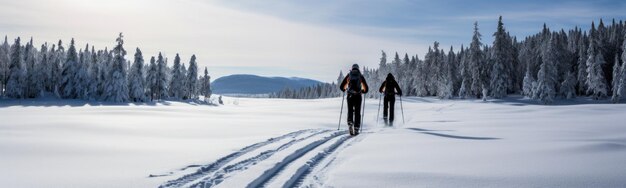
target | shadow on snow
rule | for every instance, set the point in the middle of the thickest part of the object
(429, 132)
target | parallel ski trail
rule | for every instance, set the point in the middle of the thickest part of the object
(210, 168)
(304, 170)
(222, 174)
(269, 174)
(315, 176)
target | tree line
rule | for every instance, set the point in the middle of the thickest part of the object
(545, 66)
(322, 90)
(103, 75)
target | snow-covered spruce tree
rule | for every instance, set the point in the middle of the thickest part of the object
(41, 78)
(382, 71)
(192, 78)
(527, 88)
(57, 68)
(382, 62)
(402, 72)
(395, 64)
(500, 77)
(516, 70)
(621, 85)
(411, 82)
(17, 72)
(151, 79)
(420, 78)
(525, 52)
(455, 72)
(605, 49)
(476, 63)
(206, 85)
(26, 62)
(4, 65)
(530, 55)
(40, 74)
(466, 78)
(568, 86)
(176, 84)
(582, 65)
(485, 72)
(161, 86)
(564, 64)
(104, 62)
(82, 74)
(433, 62)
(29, 65)
(35, 87)
(547, 76)
(184, 90)
(340, 77)
(619, 78)
(408, 70)
(446, 84)
(94, 69)
(617, 74)
(68, 73)
(136, 83)
(53, 71)
(117, 88)
(596, 83)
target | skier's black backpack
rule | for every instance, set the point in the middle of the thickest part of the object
(355, 82)
(390, 87)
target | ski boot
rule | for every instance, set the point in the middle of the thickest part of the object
(351, 128)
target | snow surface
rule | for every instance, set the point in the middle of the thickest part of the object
(449, 143)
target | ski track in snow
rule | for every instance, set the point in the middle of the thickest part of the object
(306, 169)
(221, 175)
(217, 172)
(210, 168)
(269, 174)
(315, 176)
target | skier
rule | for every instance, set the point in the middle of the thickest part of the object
(354, 83)
(390, 88)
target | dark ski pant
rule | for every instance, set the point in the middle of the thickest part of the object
(354, 109)
(388, 110)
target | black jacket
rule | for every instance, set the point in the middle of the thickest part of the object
(390, 86)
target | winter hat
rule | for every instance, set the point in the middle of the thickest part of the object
(355, 66)
(390, 76)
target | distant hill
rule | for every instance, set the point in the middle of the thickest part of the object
(253, 84)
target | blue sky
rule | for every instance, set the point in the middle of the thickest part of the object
(313, 39)
(447, 21)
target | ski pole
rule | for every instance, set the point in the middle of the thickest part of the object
(402, 109)
(363, 113)
(378, 114)
(341, 112)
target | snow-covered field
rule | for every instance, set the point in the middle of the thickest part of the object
(453, 143)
